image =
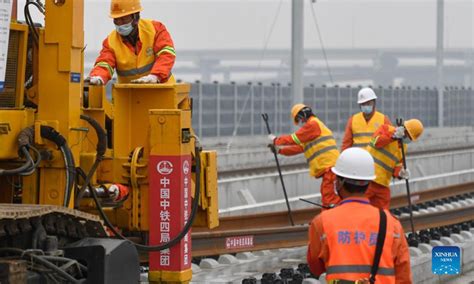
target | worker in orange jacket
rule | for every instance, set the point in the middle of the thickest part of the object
(361, 126)
(385, 148)
(317, 143)
(140, 50)
(343, 240)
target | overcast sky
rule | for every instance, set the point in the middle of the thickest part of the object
(222, 24)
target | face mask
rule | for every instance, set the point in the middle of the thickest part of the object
(366, 109)
(406, 140)
(125, 29)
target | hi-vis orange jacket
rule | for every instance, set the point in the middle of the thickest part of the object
(387, 154)
(153, 54)
(344, 247)
(317, 143)
(359, 132)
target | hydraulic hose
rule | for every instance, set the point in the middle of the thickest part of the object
(22, 169)
(109, 224)
(51, 134)
(25, 139)
(100, 149)
(25, 254)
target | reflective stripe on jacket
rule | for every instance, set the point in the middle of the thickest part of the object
(321, 153)
(352, 241)
(386, 159)
(362, 130)
(129, 65)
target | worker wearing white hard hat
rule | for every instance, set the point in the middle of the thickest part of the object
(362, 125)
(344, 242)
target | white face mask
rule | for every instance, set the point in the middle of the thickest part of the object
(125, 29)
(367, 109)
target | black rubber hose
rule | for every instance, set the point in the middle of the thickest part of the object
(101, 135)
(29, 20)
(100, 149)
(39, 259)
(24, 168)
(176, 239)
(64, 259)
(51, 134)
(109, 224)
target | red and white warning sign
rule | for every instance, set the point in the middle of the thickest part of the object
(169, 209)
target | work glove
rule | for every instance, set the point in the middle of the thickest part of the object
(404, 174)
(96, 80)
(272, 138)
(399, 132)
(148, 79)
(274, 148)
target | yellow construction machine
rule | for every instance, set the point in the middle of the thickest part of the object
(89, 186)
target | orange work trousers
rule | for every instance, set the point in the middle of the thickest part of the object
(328, 193)
(378, 195)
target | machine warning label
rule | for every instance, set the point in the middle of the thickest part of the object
(5, 14)
(239, 242)
(75, 77)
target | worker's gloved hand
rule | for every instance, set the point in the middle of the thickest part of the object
(96, 80)
(275, 149)
(148, 79)
(404, 174)
(271, 137)
(399, 132)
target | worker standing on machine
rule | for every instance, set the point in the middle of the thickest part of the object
(387, 154)
(361, 126)
(356, 242)
(140, 50)
(317, 143)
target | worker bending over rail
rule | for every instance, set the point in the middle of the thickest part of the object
(356, 242)
(361, 126)
(140, 50)
(317, 143)
(386, 151)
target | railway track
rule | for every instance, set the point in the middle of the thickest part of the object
(271, 230)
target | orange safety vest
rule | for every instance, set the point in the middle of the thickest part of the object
(321, 153)
(363, 130)
(352, 241)
(129, 65)
(386, 159)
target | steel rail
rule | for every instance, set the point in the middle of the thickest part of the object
(271, 230)
(304, 216)
(217, 243)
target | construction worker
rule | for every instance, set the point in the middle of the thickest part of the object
(140, 50)
(361, 126)
(343, 241)
(317, 143)
(385, 148)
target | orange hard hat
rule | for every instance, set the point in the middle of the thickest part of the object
(295, 110)
(121, 8)
(414, 128)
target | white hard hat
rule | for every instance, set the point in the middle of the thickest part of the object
(356, 164)
(365, 95)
